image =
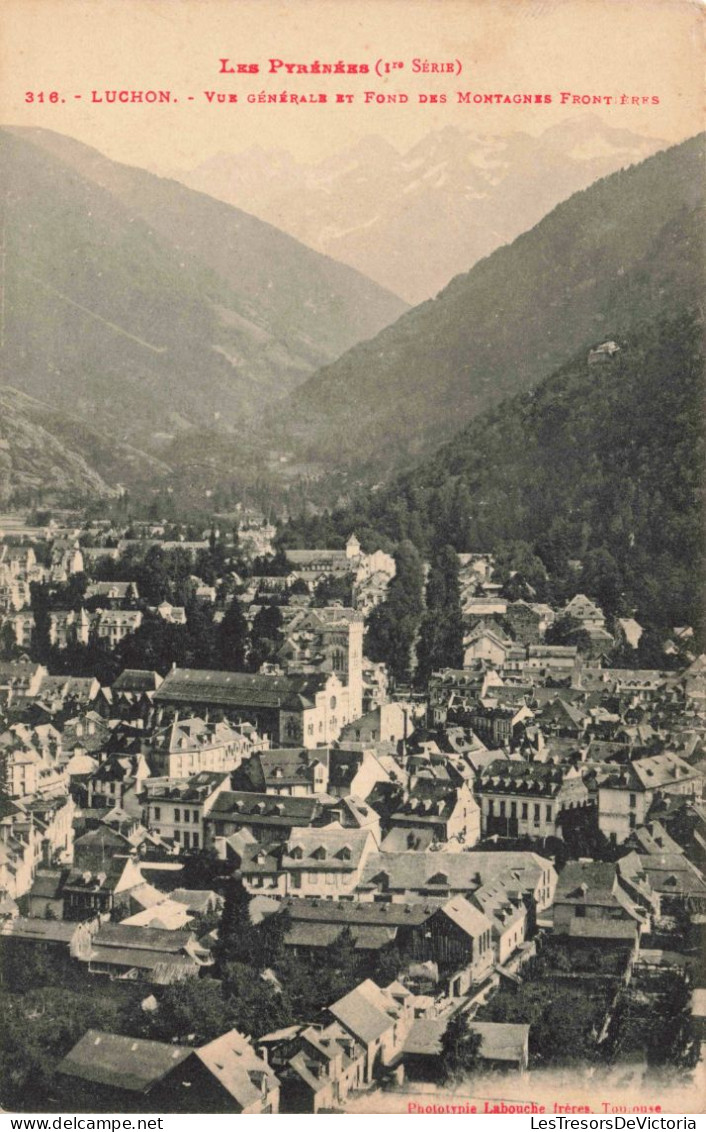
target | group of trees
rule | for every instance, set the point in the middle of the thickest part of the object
(655, 1018)
(202, 642)
(393, 625)
(418, 627)
(269, 985)
(205, 641)
(441, 633)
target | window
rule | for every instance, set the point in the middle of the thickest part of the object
(580, 911)
(330, 878)
(177, 815)
(513, 810)
(177, 835)
(187, 841)
(491, 808)
(195, 840)
(157, 813)
(633, 821)
(524, 810)
(549, 813)
(502, 809)
(536, 814)
(633, 801)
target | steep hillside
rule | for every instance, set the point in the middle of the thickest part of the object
(35, 464)
(413, 220)
(149, 306)
(617, 254)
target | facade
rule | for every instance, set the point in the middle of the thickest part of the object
(191, 746)
(328, 640)
(326, 862)
(111, 1073)
(626, 794)
(176, 809)
(290, 771)
(450, 812)
(528, 799)
(290, 710)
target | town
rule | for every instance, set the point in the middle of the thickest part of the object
(262, 851)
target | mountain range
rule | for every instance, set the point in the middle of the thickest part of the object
(149, 331)
(627, 249)
(144, 307)
(412, 220)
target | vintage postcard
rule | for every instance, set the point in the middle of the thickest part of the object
(352, 636)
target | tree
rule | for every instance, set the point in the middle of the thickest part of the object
(233, 638)
(8, 644)
(255, 1005)
(201, 869)
(602, 580)
(393, 625)
(202, 637)
(41, 606)
(568, 630)
(266, 635)
(236, 937)
(192, 1011)
(332, 588)
(460, 1048)
(39, 1027)
(441, 635)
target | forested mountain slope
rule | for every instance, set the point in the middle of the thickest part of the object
(624, 251)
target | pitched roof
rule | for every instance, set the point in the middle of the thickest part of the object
(365, 1012)
(264, 809)
(352, 914)
(465, 916)
(328, 848)
(239, 689)
(132, 1064)
(520, 777)
(500, 1041)
(48, 931)
(663, 770)
(603, 929)
(137, 680)
(146, 959)
(143, 939)
(461, 872)
(234, 1063)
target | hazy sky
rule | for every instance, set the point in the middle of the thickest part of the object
(609, 47)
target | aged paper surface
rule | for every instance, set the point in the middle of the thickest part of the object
(172, 86)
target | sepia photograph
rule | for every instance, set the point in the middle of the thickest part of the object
(352, 546)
